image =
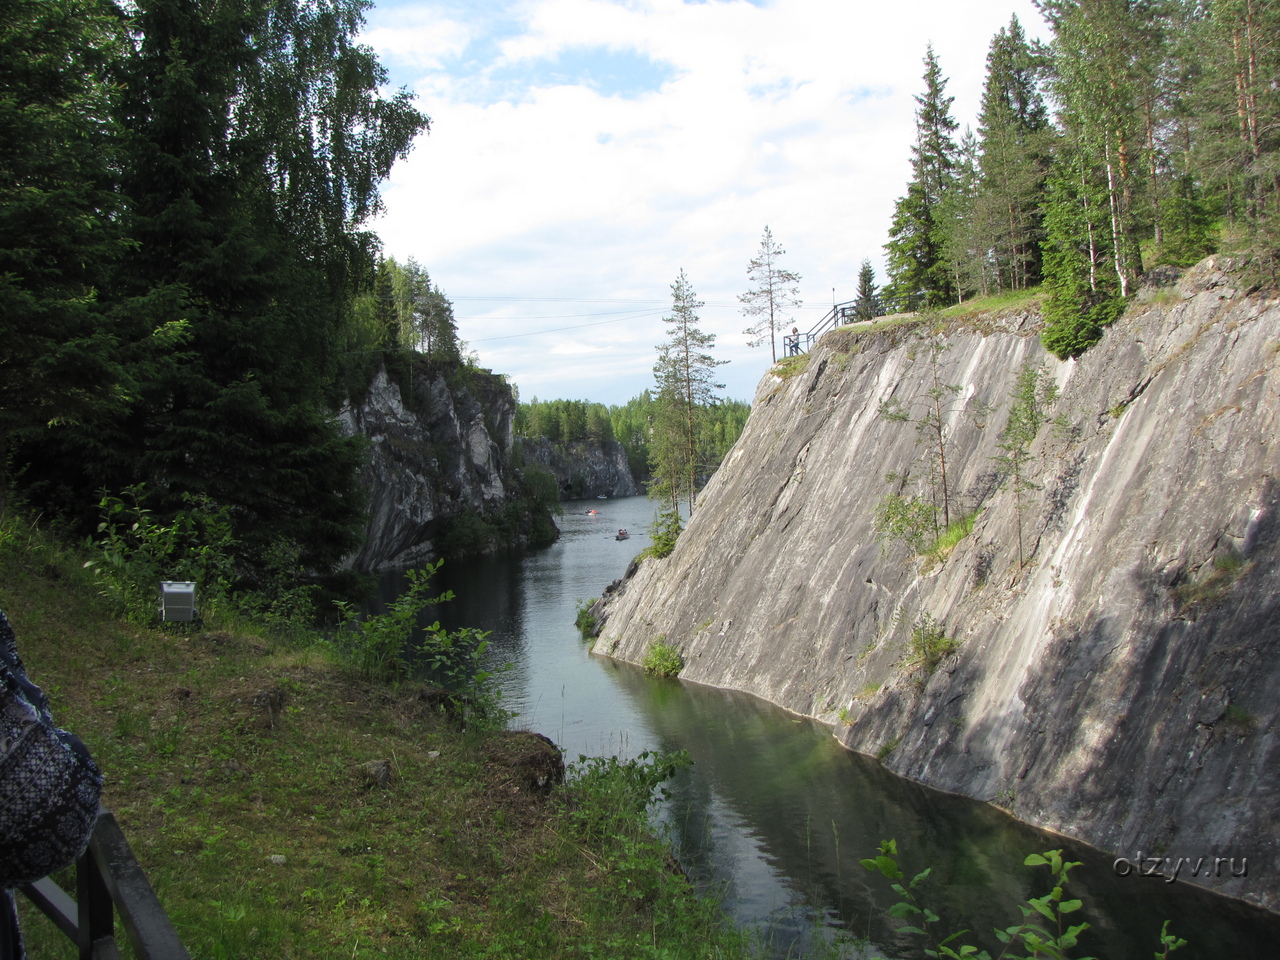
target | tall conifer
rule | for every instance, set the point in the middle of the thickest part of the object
(1014, 143)
(685, 375)
(916, 262)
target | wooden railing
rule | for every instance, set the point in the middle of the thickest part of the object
(109, 880)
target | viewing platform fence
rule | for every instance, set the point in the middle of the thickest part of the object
(109, 879)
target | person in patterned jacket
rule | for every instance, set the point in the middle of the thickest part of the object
(49, 790)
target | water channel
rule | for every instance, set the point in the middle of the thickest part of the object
(774, 815)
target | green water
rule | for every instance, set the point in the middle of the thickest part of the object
(775, 815)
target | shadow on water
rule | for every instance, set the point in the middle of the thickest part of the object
(769, 786)
(775, 815)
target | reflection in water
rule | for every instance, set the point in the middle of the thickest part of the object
(775, 815)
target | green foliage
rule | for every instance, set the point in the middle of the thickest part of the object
(911, 521)
(946, 541)
(1044, 931)
(720, 423)
(609, 796)
(662, 659)
(663, 533)
(918, 233)
(1034, 393)
(929, 644)
(1084, 295)
(774, 294)
(686, 388)
(395, 645)
(564, 421)
(585, 620)
(789, 367)
(137, 550)
(216, 165)
(866, 305)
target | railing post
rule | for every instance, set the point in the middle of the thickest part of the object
(97, 916)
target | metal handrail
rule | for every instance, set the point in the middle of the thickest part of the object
(109, 879)
(843, 313)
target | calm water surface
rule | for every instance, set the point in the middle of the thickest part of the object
(775, 815)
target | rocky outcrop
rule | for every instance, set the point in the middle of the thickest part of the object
(444, 455)
(583, 468)
(1122, 685)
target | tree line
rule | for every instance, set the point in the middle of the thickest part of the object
(719, 424)
(185, 268)
(1144, 132)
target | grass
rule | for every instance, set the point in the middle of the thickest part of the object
(929, 645)
(1213, 587)
(788, 367)
(947, 540)
(235, 763)
(999, 302)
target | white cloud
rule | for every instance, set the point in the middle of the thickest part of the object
(536, 181)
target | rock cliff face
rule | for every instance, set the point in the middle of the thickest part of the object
(445, 455)
(584, 468)
(1122, 686)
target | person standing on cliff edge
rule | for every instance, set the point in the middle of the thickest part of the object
(49, 790)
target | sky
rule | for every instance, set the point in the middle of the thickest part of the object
(583, 152)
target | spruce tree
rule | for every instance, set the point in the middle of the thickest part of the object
(1014, 141)
(253, 137)
(916, 261)
(685, 375)
(866, 306)
(1084, 291)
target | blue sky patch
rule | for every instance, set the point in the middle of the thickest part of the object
(620, 73)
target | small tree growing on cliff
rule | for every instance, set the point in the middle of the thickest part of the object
(931, 411)
(1033, 394)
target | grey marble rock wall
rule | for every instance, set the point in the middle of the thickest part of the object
(1122, 686)
(584, 468)
(445, 454)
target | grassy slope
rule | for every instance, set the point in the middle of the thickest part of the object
(212, 776)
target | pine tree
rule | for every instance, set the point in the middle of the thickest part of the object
(773, 294)
(916, 262)
(866, 306)
(685, 375)
(1236, 116)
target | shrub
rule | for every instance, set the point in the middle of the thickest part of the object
(585, 621)
(1044, 931)
(663, 659)
(929, 644)
(910, 520)
(664, 532)
(391, 646)
(138, 550)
